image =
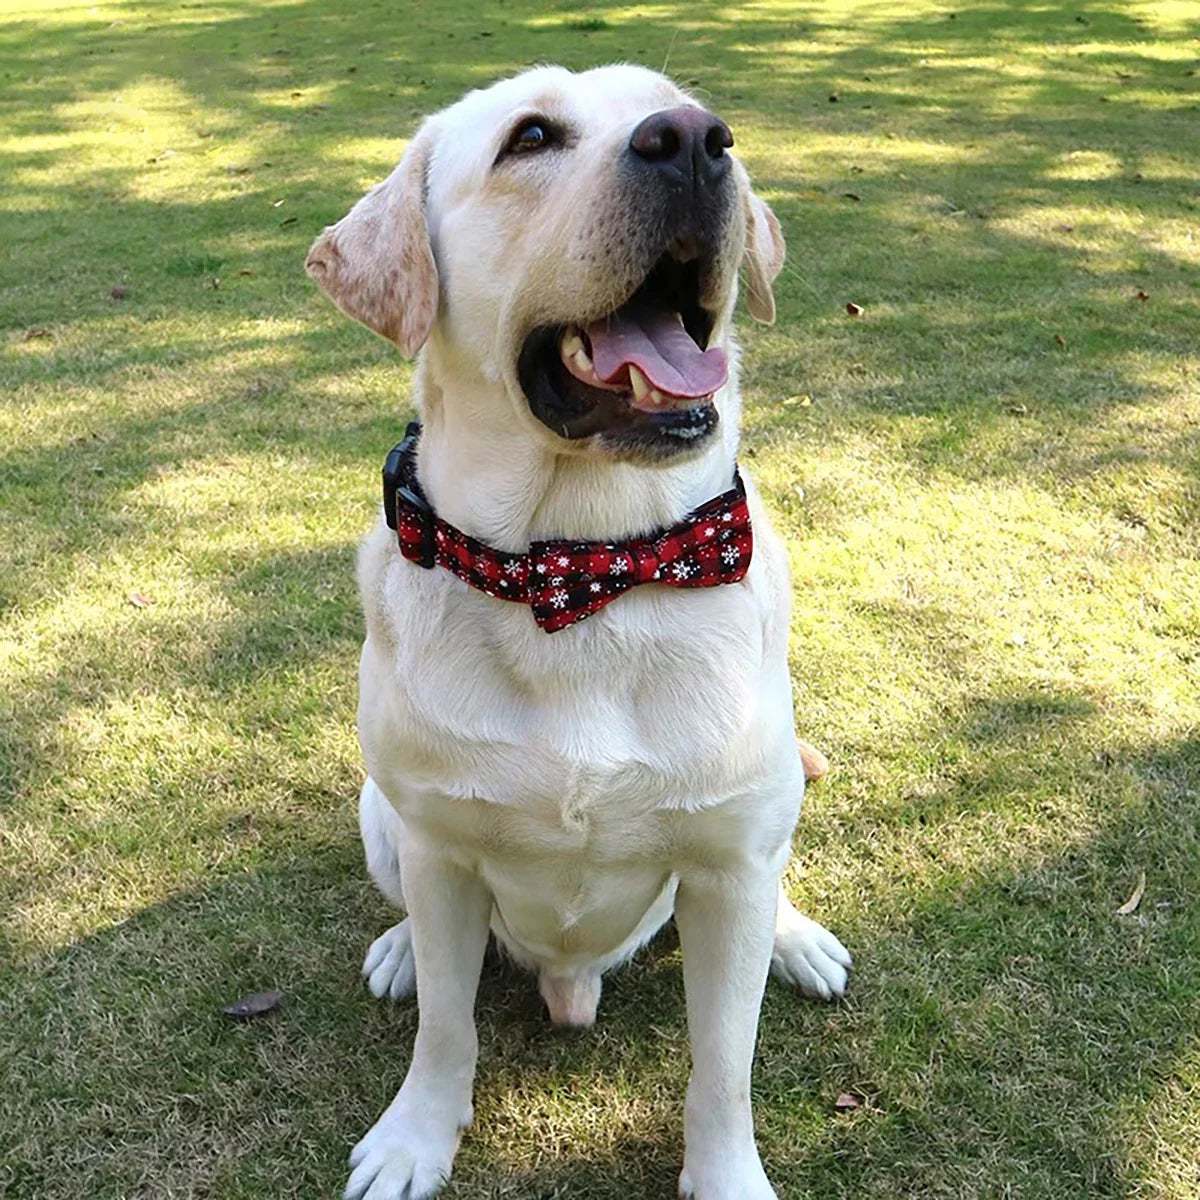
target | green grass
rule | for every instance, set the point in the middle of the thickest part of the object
(989, 483)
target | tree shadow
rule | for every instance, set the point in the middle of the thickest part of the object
(985, 988)
(975, 146)
(969, 1007)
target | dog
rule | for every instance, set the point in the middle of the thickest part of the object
(566, 760)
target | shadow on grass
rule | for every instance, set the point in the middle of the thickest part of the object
(291, 624)
(969, 1007)
(984, 992)
(973, 146)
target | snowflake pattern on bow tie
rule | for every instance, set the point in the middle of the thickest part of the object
(567, 581)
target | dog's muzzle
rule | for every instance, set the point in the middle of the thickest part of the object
(641, 378)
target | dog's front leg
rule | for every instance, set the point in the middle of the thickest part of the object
(408, 1153)
(726, 926)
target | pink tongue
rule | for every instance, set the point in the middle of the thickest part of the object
(659, 346)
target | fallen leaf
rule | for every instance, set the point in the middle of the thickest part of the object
(288, 221)
(253, 1006)
(216, 282)
(1018, 410)
(204, 133)
(851, 196)
(848, 1102)
(1131, 904)
(161, 155)
(39, 332)
(245, 271)
(140, 600)
(1058, 337)
(1142, 296)
(855, 310)
(1017, 638)
(276, 203)
(118, 291)
(804, 401)
(834, 97)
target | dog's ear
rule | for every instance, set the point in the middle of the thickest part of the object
(376, 264)
(764, 258)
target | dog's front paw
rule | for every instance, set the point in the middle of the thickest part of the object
(728, 1179)
(808, 956)
(404, 1156)
(389, 967)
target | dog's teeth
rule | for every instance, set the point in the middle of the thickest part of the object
(571, 343)
(639, 383)
(657, 397)
(581, 359)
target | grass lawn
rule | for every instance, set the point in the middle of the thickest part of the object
(989, 481)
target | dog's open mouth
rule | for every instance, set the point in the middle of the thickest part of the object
(643, 373)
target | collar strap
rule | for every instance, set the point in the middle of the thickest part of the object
(566, 581)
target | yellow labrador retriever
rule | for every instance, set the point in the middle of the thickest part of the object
(575, 705)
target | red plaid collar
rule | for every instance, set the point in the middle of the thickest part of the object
(565, 581)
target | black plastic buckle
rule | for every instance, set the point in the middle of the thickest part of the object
(399, 479)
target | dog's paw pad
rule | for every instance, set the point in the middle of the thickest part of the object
(389, 968)
(807, 956)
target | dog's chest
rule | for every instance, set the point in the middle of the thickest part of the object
(568, 879)
(641, 715)
(577, 771)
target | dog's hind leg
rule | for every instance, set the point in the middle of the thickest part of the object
(806, 955)
(388, 968)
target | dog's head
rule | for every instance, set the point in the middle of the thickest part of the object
(577, 239)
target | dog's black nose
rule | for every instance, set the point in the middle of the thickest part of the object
(687, 143)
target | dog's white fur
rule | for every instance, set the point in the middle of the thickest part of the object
(568, 791)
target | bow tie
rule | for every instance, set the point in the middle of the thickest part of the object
(565, 581)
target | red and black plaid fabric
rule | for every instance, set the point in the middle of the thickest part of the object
(566, 581)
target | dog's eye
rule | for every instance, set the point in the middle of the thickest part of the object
(533, 134)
